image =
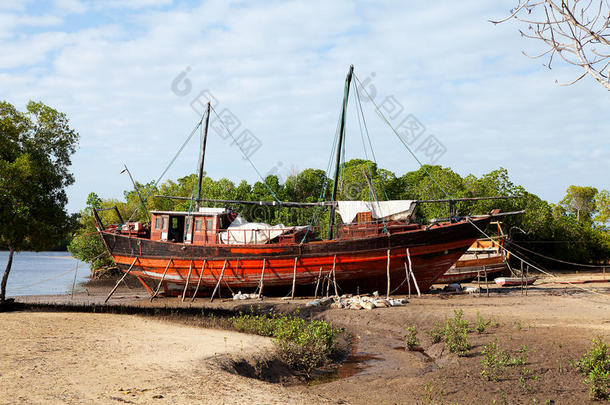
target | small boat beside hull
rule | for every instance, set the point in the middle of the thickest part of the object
(515, 281)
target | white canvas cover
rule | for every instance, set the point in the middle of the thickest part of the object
(242, 232)
(396, 210)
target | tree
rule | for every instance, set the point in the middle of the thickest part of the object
(35, 150)
(602, 206)
(576, 31)
(579, 201)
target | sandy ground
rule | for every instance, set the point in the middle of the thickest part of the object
(77, 358)
(81, 358)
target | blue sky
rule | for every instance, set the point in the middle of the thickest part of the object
(113, 67)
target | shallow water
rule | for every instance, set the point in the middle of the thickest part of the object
(42, 273)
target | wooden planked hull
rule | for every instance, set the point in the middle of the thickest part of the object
(470, 273)
(359, 263)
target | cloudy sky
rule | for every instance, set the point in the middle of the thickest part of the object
(131, 75)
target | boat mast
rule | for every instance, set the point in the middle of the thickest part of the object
(202, 157)
(348, 81)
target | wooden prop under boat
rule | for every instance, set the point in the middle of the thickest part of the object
(515, 281)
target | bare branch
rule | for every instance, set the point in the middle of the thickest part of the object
(576, 30)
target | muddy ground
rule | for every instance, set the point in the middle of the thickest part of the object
(555, 322)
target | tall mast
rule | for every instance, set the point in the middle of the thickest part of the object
(348, 81)
(202, 157)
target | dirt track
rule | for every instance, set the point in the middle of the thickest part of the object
(71, 358)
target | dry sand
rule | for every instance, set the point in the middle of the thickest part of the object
(103, 358)
(84, 358)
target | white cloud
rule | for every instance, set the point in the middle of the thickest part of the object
(280, 68)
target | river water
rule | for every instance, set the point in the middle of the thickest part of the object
(42, 273)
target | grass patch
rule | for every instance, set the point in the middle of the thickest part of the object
(456, 334)
(595, 364)
(302, 344)
(411, 341)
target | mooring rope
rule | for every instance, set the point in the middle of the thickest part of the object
(558, 260)
(536, 267)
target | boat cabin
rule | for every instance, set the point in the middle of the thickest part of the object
(196, 227)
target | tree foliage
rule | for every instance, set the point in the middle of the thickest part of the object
(565, 236)
(35, 150)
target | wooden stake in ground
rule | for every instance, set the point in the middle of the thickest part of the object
(521, 277)
(387, 295)
(486, 282)
(199, 281)
(222, 272)
(407, 276)
(318, 283)
(413, 273)
(262, 280)
(161, 282)
(335, 275)
(186, 284)
(294, 278)
(119, 282)
(527, 276)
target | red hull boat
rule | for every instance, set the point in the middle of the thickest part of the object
(358, 262)
(375, 248)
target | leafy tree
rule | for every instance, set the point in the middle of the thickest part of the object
(602, 206)
(35, 150)
(579, 201)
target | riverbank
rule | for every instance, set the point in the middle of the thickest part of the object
(555, 322)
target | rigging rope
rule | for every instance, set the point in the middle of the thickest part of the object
(535, 267)
(558, 260)
(246, 157)
(167, 167)
(421, 165)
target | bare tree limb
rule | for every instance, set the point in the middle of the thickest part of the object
(576, 30)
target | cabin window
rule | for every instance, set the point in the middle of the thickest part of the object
(198, 223)
(209, 224)
(157, 223)
(164, 223)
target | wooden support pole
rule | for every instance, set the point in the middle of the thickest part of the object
(527, 276)
(186, 284)
(479, 280)
(161, 282)
(604, 273)
(413, 273)
(327, 279)
(262, 280)
(521, 277)
(387, 273)
(150, 291)
(407, 278)
(199, 281)
(335, 275)
(294, 278)
(119, 282)
(222, 272)
(74, 281)
(318, 283)
(486, 281)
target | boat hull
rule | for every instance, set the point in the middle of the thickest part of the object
(360, 264)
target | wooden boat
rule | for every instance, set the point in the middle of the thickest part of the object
(186, 252)
(484, 256)
(515, 281)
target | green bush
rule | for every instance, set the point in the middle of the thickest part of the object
(481, 325)
(411, 341)
(456, 334)
(493, 362)
(302, 344)
(595, 364)
(436, 334)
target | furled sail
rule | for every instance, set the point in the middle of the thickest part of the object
(395, 210)
(243, 232)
